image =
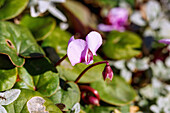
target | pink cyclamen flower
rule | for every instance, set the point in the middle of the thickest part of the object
(165, 41)
(117, 19)
(81, 51)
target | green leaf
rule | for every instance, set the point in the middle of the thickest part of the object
(20, 105)
(99, 109)
(68, 94)
(115, 92)
(17, 41)
(41, 27)
(80, 17)
(70, 73)
(24, 79)
(107, 3)
(2, 3)
(58, 40)
(122, 45)
(47, 83)
(7, 78)
(11, 8)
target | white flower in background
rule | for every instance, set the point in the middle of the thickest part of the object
(149, 92)
(153, 10)
(164, 28)
(120, 64)
(136, 18)
(127, 75)
(63, 25)
(167, 61)
(44, 5)
(162, 105)
(138, 64)
(160, 70)
(155, 17)
(133, 65)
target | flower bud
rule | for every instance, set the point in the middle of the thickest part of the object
(93, 100)
(107, 73)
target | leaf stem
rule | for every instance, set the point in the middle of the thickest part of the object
(92, 65)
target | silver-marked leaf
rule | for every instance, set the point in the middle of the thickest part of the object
(2, 109)
(17, 41)
(20, 105)
(9, 96)
(35, 104)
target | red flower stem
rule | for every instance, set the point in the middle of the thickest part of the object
(92, 65)
(58, 63)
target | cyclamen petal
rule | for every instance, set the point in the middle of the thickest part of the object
(94, 41)
(165, 41)
(71, 39)
(80, 51)
(75, 49)
(117, 19)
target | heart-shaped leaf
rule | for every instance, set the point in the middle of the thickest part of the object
(122, 45)
(20, 105)
(17, 41)
(40, 27)
(58, 40)
(7, 78)
(24, 79)
(67, 93)
(67, 71)
(11, 8)
(47, 83)
(115, 92)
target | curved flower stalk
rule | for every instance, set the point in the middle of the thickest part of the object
(107, 72)
(117, 20)
(81, 51)
(44, 5)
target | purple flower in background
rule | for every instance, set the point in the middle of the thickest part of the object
(81, 51)
(117, 19)
(165, 41)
